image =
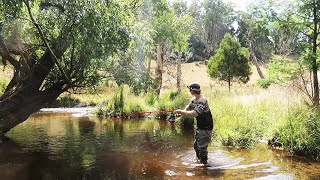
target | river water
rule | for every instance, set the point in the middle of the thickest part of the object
(69, 144)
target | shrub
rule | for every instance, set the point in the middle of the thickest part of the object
(300, 133)
(264, 83)
(170, 101)
(133, 107)
(65, 101)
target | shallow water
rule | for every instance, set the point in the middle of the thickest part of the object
(56, 145)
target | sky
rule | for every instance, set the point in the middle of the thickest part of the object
(240, 4)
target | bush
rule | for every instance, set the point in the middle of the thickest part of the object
(66, 101)
(115, 106)
(134, 108)
(122, 103)
(300, 133)
(170, 101)
(264, 83)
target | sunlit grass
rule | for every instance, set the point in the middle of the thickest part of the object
(248, 114)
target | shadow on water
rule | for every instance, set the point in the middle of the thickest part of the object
(63, 146)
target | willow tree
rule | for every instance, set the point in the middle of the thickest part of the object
(53, 46)
(231, 62)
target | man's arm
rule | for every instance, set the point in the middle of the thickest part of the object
(192, 113)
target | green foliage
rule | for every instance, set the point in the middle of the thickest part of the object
(133, 107)
(171, 100)
(142, 84)
(122, 102)
(300, 133)
(151, 98)
(253, 30)
(66, 101)
(115, 106)
(237, 125)
(215, 17)
(282, 69)
(118, 100)
(264, 83)
(231, 61)
(92, 31)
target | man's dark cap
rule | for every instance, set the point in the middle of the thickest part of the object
(194, 86)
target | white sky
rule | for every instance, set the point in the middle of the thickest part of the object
(239, 4)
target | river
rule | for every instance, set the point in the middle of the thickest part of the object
(70, 144)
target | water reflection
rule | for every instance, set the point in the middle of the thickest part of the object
(62, 146)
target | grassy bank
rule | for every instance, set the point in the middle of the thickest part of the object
(248, 115)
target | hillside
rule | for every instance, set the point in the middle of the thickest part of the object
(191, 72)
(196, 71)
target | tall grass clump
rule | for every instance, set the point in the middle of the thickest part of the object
(151, 98)
(122, 102)
(113, 106)
(172, 100)
(242, 119)
(300, 132)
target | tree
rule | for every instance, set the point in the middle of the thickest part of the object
(197, 39)
(54, 46)
(183, 29)
(217, 18)
(168, 30)
(303, 15)
(231, 62)
(310, 12)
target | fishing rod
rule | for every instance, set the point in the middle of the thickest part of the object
(139, 113)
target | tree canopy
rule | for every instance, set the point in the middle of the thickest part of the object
(54, 46)
(231, 62)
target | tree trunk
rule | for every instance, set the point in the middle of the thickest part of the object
(314, 58)
(17, 107)
(254, 60)
(25, 98)
(179, 74)
(159, 69)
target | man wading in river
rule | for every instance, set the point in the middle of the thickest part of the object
(198, 107)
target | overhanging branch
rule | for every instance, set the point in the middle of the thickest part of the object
(5, 54)
(42, 36)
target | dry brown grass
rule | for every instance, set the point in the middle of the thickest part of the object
(197, 71)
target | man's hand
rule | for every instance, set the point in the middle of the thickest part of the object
(179, 112)
(186, 113)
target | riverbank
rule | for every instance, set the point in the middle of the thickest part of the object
(243, 117)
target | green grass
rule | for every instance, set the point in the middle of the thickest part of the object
(246, 116)
(112, 105)
(300, 132)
